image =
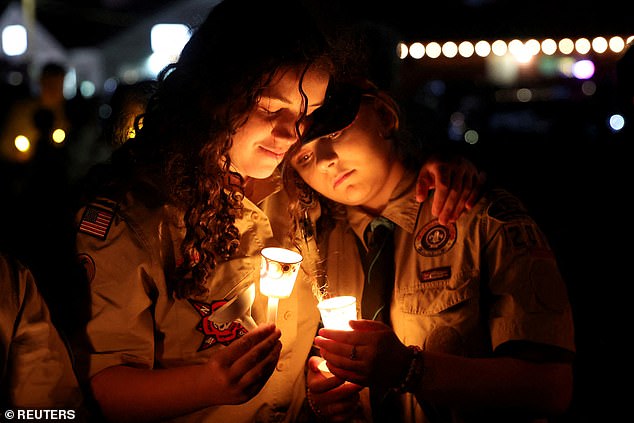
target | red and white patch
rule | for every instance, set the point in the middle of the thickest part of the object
(440, 273)
(214, 333)
(96, 222)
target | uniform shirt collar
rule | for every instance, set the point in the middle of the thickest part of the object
(402, 208)
(263, 188)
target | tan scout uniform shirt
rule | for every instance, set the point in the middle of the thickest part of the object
(35, 366)
(465, 288)
(137, 321)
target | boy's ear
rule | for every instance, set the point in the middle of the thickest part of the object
(387, 111)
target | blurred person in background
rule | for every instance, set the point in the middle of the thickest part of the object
(35, 364)
(37, 225)
(127, 104)
(38, 116)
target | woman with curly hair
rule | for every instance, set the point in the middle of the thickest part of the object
(171, 229)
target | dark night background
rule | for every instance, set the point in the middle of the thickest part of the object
(556, 153)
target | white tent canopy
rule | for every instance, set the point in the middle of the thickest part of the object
(42, 46)
(124, 54)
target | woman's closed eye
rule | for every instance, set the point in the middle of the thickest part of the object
(268, 111)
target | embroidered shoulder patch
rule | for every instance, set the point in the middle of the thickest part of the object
(435, 239)
(214, 333)
(96, 222)
(506, 208)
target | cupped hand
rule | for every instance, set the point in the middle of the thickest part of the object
(241, 370)
(457, 183)
(331, 398)
(379, 359)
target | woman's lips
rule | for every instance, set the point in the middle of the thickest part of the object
(273, 154)
(341, 178)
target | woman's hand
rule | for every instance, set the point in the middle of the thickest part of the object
(369, 355)
(239, 371)
(330, 397)
(457, 182)
(232, 375)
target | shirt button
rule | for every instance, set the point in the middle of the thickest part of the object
(255, 216)
(288, 315)
(281, 366)
(277, 417)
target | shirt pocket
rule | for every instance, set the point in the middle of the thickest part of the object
(438, 296)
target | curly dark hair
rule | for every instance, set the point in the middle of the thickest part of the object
(200, 102)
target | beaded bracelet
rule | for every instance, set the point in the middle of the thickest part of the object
(414, 373)
(312, 405)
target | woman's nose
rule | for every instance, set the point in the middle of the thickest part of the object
(325, 156)
(285, 130)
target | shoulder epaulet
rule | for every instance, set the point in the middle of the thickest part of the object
(506, 207)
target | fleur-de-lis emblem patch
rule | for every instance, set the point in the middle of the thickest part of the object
(435, 239)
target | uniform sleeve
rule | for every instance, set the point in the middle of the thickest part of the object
(528, 294)
(39, 371)
(122, 272)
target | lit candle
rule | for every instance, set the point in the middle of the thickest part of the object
(336, 313)
(278, 271)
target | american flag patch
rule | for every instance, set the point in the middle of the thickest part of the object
(96, 222)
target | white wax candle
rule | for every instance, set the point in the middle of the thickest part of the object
(278, 271)
(336, 312)
(271, 312)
